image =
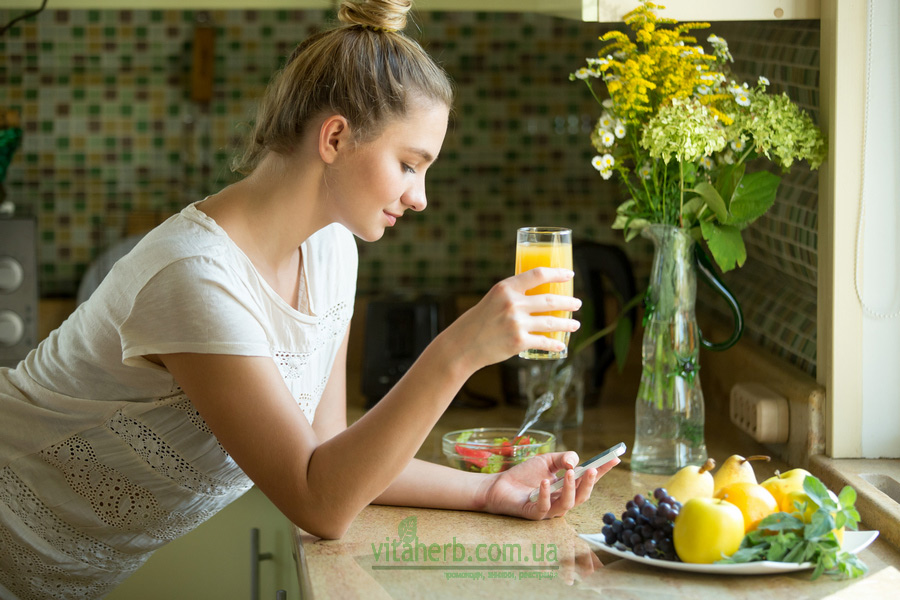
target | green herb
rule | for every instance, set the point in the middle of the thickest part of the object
(464, 436)
(785, 537)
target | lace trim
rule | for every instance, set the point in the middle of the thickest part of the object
(43, 580)
(292, 365)
(162, 458)
(23, 503)
(114, 499)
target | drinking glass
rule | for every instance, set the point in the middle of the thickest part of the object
(546, 247)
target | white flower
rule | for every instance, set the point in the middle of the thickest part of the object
(738, 145)
(645, 171)
(703, 90)
(706, 162)
(619, 130)
(742, 99)
(607, 161)
(582, 73)
(607, 138)
(763, 80)
(597, 162)
(728, 158)
(607, 103)
(713, 38)
(708, 77)
(735, 88)
(606, 173)
(606, 121)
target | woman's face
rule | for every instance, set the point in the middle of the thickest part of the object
(371, 185)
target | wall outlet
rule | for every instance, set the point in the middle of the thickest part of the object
(760, 412)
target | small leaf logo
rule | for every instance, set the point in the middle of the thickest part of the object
(407, 529)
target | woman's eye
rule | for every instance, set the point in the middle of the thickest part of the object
(408, 169)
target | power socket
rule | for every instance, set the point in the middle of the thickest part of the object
(760, 412)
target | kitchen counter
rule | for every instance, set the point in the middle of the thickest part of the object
(357, 566)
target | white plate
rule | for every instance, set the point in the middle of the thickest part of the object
(854, 542)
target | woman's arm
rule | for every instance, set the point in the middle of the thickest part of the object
(322, 484)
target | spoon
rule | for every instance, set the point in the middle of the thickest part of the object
(535, 410)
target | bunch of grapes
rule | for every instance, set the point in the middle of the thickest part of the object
(645, 527)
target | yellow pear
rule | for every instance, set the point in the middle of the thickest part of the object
(736, 469)
(692, 482)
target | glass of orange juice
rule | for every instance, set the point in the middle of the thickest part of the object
(546, 247)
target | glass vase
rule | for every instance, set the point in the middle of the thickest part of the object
(669, 409)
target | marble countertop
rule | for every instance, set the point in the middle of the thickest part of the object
(545, 559)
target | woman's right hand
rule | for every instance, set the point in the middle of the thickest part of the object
(503, 323)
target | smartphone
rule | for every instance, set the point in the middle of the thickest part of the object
(601, 459)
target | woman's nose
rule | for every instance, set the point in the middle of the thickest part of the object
(415, 198)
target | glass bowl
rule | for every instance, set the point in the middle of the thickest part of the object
(491, 449)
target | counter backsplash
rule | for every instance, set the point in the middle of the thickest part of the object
(110, 129)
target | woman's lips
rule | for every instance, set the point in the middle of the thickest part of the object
(391, 218)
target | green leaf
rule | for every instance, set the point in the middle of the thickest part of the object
(725, 244)
(816, 490)
(847, 497)
(753, 196)
(712, 199)
(622, 341)
(726, 182)
(406, 530)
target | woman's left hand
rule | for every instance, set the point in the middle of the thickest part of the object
(507, 492)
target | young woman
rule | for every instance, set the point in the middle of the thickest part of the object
(213, 356)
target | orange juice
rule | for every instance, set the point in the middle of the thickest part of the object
(530, 255)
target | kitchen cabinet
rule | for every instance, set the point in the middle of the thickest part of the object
(213, 561)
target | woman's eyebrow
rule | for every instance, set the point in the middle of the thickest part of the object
(425, 154)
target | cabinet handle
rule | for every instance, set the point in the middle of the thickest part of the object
(255, 558)
(281, 595)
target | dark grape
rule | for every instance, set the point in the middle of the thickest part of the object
(645, 527)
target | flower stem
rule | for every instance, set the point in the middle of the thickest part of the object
(681, 183)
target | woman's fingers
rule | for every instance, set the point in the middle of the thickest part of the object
(534, 277)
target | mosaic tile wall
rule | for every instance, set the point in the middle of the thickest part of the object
(110, 129)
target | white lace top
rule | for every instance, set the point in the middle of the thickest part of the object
(102, 458)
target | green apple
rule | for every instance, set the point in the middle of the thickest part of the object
(707, 530)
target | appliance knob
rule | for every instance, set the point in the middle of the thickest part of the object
(12, 328)
(11, 274)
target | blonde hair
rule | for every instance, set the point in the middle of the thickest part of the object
(365, 69)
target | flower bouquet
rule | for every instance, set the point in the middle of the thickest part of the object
(678, 131)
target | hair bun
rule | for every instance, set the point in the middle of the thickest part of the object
(377, 14)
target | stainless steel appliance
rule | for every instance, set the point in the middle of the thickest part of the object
(18, 288)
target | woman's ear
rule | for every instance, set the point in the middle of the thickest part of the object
(334, 136)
